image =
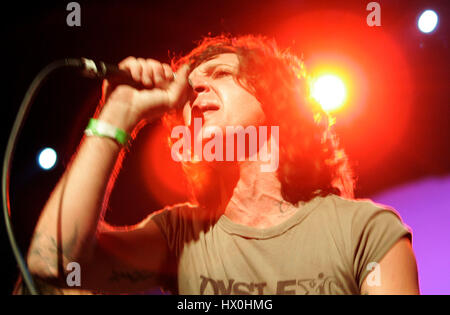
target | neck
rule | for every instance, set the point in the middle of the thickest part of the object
(256, 199)
(243, 192)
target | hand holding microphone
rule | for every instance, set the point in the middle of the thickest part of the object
(141, 89)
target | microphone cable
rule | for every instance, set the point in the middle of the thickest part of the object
(24, 108)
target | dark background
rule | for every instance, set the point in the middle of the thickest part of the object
(400, 133)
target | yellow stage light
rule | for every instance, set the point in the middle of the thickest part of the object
(329, 91)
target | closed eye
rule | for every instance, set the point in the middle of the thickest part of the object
(221, 73)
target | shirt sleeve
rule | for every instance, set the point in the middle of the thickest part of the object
(175, 224)
(374, 231)
(169, 222)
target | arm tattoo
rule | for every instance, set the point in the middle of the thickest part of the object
(46, 248)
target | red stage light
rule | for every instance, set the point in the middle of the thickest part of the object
(373, 68)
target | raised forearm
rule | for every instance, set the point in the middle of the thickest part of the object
(66, 230)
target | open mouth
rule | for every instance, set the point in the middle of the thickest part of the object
(210, 107)
(196, 112)
(203, 111)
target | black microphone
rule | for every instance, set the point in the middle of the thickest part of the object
(101, 70)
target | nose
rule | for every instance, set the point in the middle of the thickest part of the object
(199, 89)
(199, 85)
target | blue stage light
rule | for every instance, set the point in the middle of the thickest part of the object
(428, 21)
(47, 158)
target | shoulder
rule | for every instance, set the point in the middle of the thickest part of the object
(354, 204)
(357, 209)
(172, 213)
(177, 208)
(371, 229)
(362, 217)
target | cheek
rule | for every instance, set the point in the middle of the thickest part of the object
(241, 107)
(254, 108)
(251, 110)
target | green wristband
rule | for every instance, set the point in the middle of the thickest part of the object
(102, 129)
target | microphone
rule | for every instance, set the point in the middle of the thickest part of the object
(101, 70)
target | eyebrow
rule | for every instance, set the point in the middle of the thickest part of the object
(212, 66)
(215, 65)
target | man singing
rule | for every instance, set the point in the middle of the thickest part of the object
(295, 229)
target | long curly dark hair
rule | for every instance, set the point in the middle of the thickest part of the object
(311, 162)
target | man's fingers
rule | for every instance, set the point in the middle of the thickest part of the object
(163, 88)
(132, 66)
(147, 73)
(181, 76)
(179, 87)
(158, 75)
(168, 72)
(151, 73)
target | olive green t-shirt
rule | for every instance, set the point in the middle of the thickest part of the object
(328, 246)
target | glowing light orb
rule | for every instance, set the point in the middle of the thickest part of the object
(428, 21)
(47, 158)
(329, 91)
